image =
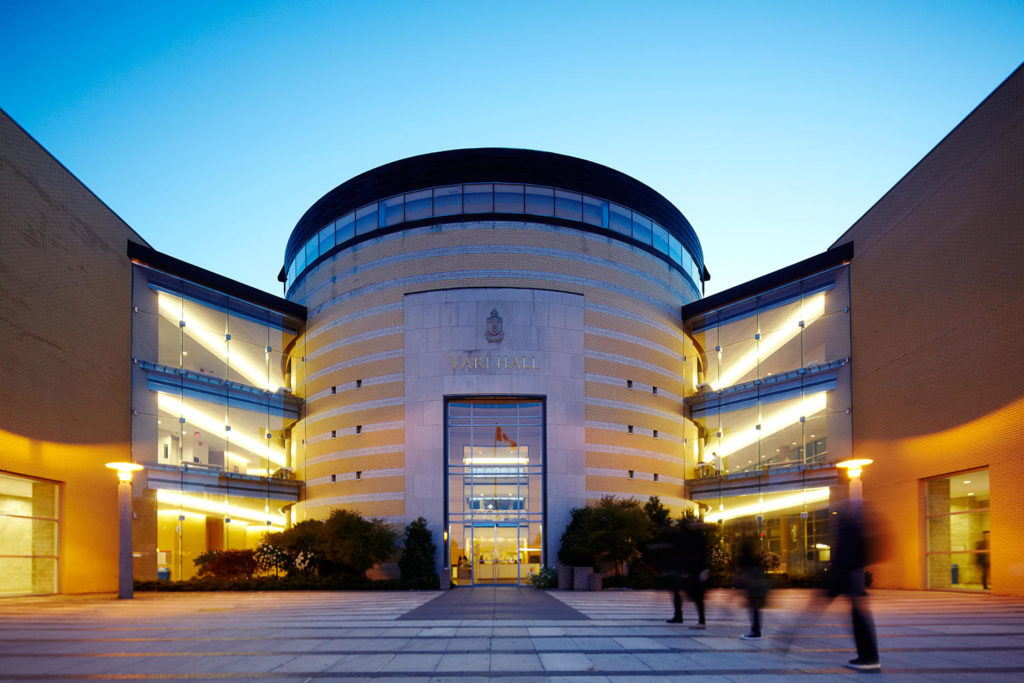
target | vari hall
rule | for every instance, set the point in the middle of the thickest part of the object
(489, 338)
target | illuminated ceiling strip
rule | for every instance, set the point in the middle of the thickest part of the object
(202, 504)
(771, 342)
(810, 405)
(497, 461)
(175, 406)
(214, 342)
(781, 503)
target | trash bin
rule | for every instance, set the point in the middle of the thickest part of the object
(163, 574)
(955, 571)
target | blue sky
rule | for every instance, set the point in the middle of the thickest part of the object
(210, 127)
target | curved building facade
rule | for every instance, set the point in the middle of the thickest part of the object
(493, 337)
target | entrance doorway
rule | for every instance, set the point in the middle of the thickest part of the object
(494, 514)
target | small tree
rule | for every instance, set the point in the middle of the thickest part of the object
(351, 544)
(418, 564)
(612, 531)
(305, 541)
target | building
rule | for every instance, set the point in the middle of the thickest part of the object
(488, 338)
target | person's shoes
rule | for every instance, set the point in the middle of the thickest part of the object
(750, 636)
(674, 620)
(863, 665)
(699, 627)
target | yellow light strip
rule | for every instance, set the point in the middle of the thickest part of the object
(780, 503)
(811, 405)
(175, 406)
(214, 342)
(202, 504)
(496, 461)
(771, 342)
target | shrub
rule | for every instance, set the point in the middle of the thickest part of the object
(418, 564)
(545, 577)
(272, 558)
(612, 531)
(226, 564)
(351, 544)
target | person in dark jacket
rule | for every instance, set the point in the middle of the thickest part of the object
(851, 553)
(696, 565)
(750, 578)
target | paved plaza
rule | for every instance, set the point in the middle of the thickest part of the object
(476, 634)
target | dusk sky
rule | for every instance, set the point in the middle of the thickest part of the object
(210, 127)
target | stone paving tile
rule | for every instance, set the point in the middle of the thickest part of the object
(565, 661)
(360, 663)
(499, 644)
(463, 644)
(584, 643)
(412, 662)
(465, 662)
(501, 662)
(617, 661)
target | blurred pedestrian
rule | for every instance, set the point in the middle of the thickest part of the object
(696, 565)
(751, 579)
(851, 553)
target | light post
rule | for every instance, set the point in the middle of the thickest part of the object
(853, 468)
(125, 586)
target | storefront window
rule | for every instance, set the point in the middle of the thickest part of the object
(957, 531)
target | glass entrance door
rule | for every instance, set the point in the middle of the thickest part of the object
(495, 490)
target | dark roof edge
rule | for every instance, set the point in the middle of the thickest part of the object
(778, 278)
(201, 276)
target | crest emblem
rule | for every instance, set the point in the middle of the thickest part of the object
(493, 332)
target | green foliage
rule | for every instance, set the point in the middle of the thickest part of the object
(351, 544)
(272, 558)
(418, 564)
(658, 516)
(343, 545)
(226, 564)
(545, 577)
(611, 531)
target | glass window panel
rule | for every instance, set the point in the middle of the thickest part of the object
(204, 344)
(641, 228)
(675, 249)
(595, 211)
(540, 201)
(345, 228)
(620, 219)
(739, 450)
(478, 198)
(508, 198)
(312, 250)
(393, 210)
(419, 205)
(693, 269)
(659, 239)
(779, 346)
(292, 272)
(366, 219)
(782, 438)
(300, 259)
(447, 200)
(326, 239)
(569, 205)
(816, 438)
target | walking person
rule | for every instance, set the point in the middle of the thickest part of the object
(751, 579)
(696, 564)
(851, 553)
(672, 558)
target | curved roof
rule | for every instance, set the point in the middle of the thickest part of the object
(492, 164)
